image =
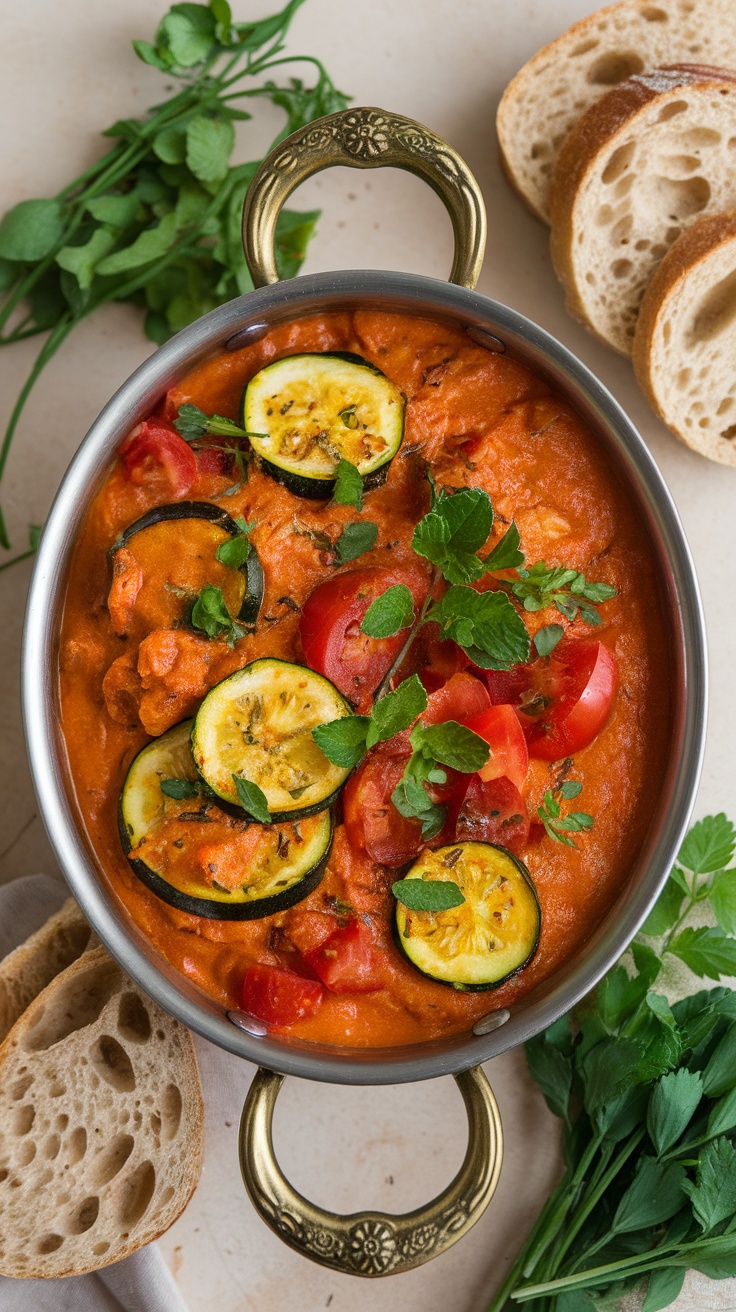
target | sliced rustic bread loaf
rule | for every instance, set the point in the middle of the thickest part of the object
(558, 84)
(33, 965)
(637, 169)
(685, 343)
(101, 1124)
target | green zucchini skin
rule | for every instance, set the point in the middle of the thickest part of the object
(227, 703)
(141, 793)
(289, 474)
(529, 944)
(252, 570)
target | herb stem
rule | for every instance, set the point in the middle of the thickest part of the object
(596, 1189)
(385, 684)
(54, 340)
(538, 1250)
(24, 555)
(504, 1293)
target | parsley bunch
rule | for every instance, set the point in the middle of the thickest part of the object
(646, 1092)
(156, 220)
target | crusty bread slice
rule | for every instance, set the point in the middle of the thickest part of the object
(637, 169)
(558, 84)
(33, 965)
(101, 1124)
(685, 343)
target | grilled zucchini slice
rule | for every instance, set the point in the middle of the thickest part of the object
(258, 724)
(306, 412)
(193, 854)
(242, 587)
(492, 935)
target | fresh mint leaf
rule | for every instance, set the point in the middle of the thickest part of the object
(451, 744)
(343, 741)
(192, 424)
(211, 615)
(389, 613)
(546, 639)
(412, 801)
(507, 553)
(713, 1195)
(542, 586)
(428, 894)
(722, 896)
(234, 552)
(707, 952)
(31, 230)
(485, 625)
(348, 485)
(710, 844)
(356, 539)
(664, 1287)
(570, 788)
(179, 789)
(672, 1105)
(252, 799)
(654, 1195)
(557, 825)
(454, 529)
(397, 710)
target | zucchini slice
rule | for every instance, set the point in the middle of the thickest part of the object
(493, 934)
(258, 724)
(306, 412)
(192, 853)
(242, 587)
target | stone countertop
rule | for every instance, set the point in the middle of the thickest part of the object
(68, 71)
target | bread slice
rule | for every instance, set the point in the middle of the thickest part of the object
(558, 84)
(685, 343)
(33, 965)
(101, 1124)
(638, 169)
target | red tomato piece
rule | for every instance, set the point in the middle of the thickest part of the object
(279, 997)
(371, 820)
(509, 757)
(213, 463)
(330, 628)
(159, 458)
(462, 697)
(346, 962)
(580, 682)
(493, 811)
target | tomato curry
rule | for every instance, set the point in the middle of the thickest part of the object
(584, 713)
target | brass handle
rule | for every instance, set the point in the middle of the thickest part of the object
(364, 138)
(371, 1243)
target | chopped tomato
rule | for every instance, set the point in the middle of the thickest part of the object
(159, 458)
(462, 697)
(509, 754)
(372, 823)
(330, 628)
(493, 811)
(434, 659)
(279, 997)
(211, 463)
(346, 962)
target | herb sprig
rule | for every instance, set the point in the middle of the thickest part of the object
(558, 826)
(646, 1091)
(156, 220)
(211, 615)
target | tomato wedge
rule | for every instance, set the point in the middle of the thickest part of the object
(346, 961)
(509, 757)
(330, 628)
(493, 811)
(279, 997)
(159, 458)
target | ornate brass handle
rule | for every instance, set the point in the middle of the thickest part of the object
(371, 1243)
(364, 138)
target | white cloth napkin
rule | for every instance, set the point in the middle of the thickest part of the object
(141, 1283)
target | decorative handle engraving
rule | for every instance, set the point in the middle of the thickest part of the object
(371, 1243)
(364, 138)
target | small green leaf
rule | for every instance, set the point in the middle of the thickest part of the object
(706, 951)
(348, 485)
(723, 899)
(451, 744)
(412, 801)
(234, 552)
(170, 146)
(356, 539)
(507, 553)
(209, 145)
(546, 639)
(31, 230)
(343, 741)
(674, 1101)
(654, 1195)
(710, 843)
(252, 799)
(485, 625)
(179, 789)
(723, 1116)
(34, 535)
(720, 1073)
(552, 1071)
(148, 246)
(713, 1195)
(452, 532)
(428, 894)
(149, 55)
(82, 261)
(118, 211)
(211, 615)
(186, 33)
(570, 788)
(664, 1287)
(389, 613)
(294, 231)
(397, 710)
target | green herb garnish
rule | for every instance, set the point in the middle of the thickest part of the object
(485, 624)
(211, 615)
(252, 799)
(348, 483)
(346, 740)
(428, 894)
(235, 551)
(179, 789)
(389, 613)
(565, 589)
(192, 424)
(434, 746)
(557, 825)
(355, 539)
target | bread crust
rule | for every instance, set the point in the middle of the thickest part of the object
(595, 135)
(32, 966)
(683, 262)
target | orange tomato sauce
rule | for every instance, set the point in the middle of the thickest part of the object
(541, 466)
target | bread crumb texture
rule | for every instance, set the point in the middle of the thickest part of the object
(101, 1124)
(558, 84)
(642, 166)
(685, 344)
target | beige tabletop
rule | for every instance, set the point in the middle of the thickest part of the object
(68, 71)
